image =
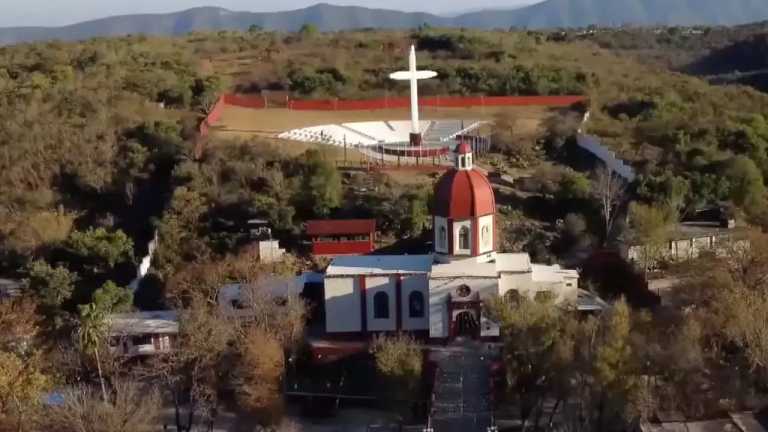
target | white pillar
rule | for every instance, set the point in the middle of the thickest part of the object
(414, 92)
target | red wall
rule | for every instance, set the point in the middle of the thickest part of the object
(256, 102)
(342, 248)
(444, 102)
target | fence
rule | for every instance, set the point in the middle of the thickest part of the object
(437, 102)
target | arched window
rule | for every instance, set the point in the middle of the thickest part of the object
(464, 238)
(381, 305)
(485, 235)
(416, 304)
(442, 238)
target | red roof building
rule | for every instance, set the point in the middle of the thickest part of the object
(342, 237)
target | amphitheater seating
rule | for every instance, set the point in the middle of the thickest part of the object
(379, 132)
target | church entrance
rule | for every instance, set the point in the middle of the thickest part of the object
(467, 325)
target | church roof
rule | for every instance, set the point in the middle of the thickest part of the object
(463, 194)
(379, 265)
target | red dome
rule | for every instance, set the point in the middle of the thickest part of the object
(464, 194)
(463, 148)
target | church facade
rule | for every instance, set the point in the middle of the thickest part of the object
(440, 295)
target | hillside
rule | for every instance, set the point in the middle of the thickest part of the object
(548, 14)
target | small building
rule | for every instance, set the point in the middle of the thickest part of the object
(687, 241)
(143, 333)
(342, 237)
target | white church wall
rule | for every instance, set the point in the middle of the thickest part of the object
(342, 305)
(374, 285)
(410, 284)
(520, 282)
(564, 291)
(485, 224)
(457, 226)
(439, 224)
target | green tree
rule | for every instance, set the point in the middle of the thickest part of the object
(573, 185)
(179, 231)
(650, 227)
(399, 359)
(536, 353)
(91, 335)
(747, 186)
(52, 285)
(112, 298)
(322, 191)
(308, 30)
(412, 214)
(614, 369)
(98, 249)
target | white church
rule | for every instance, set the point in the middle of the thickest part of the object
(440, 295)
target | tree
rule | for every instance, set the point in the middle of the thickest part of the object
(131, 407)
(178, 231)
(22, 382)
(111, 298)
(254, 28)
(411, 213)
(573, 185)
(98, 249)
(91, 334)
(259, 372)
(52, 285)
(649, 232)
(308, 30)
(322, 185)
(609, 190)
(536, 353)
(192, 373)
(206, 91)
(399, 359)
(747, 186)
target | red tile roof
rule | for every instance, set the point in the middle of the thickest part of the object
(340, 227)
(464, 194)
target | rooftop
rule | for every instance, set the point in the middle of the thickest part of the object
(340, 226)
(137, 323)
(464, 268)
(379, 265)
(513, 263)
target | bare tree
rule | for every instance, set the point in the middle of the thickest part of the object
(191, 374)
(131, 407)
(609, 189)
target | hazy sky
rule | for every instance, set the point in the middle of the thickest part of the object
(61, 12)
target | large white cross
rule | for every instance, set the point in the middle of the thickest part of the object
(413, 76)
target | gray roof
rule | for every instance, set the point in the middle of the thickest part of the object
(379, 265)
(139, 323)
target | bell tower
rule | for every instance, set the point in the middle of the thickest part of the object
(464, 219)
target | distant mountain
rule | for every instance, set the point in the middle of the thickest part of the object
(549, 13)
(581, 13)
(326, 17)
